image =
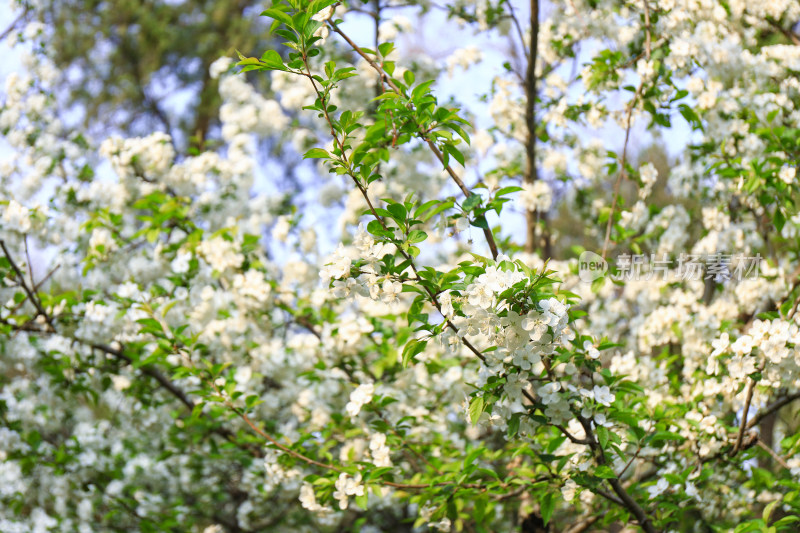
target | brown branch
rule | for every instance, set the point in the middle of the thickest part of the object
(150, 371)
(627, 501)
(772, 454)
(432, 296)
(266, 436)
(31, 296)
(175, 391)
(647, 29)
(13, 25)
(584, 524)
(622, 171)
(47, 277)
(743, 425)
(517, 26)
(608, 496)
(771, 408)
(630, 461)
(532, 173)
(36, 288)
(308, 325)
(385, 78)
(147, 370)
(789, 34)
(336, 468)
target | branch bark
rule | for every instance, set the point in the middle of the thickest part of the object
(641, 516)
(532, 173)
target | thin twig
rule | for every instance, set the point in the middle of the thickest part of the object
(31, 296)
(627, 501)
(622, 171)
(772, 453)
(336, 468)
(385, 78)
(13, 25)
(789, 34)
(647, 29)
(518, 27)
(584, 524)
(771, 408)
(748, 398)
(432, 296)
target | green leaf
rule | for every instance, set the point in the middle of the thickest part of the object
(278, 15)
(476, 408)
(768, 510)
(361, 500)
(442, 207)
(375, 228)
(316, 153)
(605, 472)
(416, 236)
(424, 207)
(473, 201)
(546, 506)
(412, 348)
(455, 153)
(602, 436)
(398, 212)
(385, 48)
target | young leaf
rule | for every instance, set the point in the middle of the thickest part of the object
(316, 153)
(476, 408)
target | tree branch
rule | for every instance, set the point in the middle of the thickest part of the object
(622, 171)
(628, 502)
(385, 78)
(532, 173)
(11, 27)
(771, 408)
(743, 425)
(31, 296)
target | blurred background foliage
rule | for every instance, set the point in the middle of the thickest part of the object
(138, 65)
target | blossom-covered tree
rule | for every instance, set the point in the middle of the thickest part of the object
(406, 346)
